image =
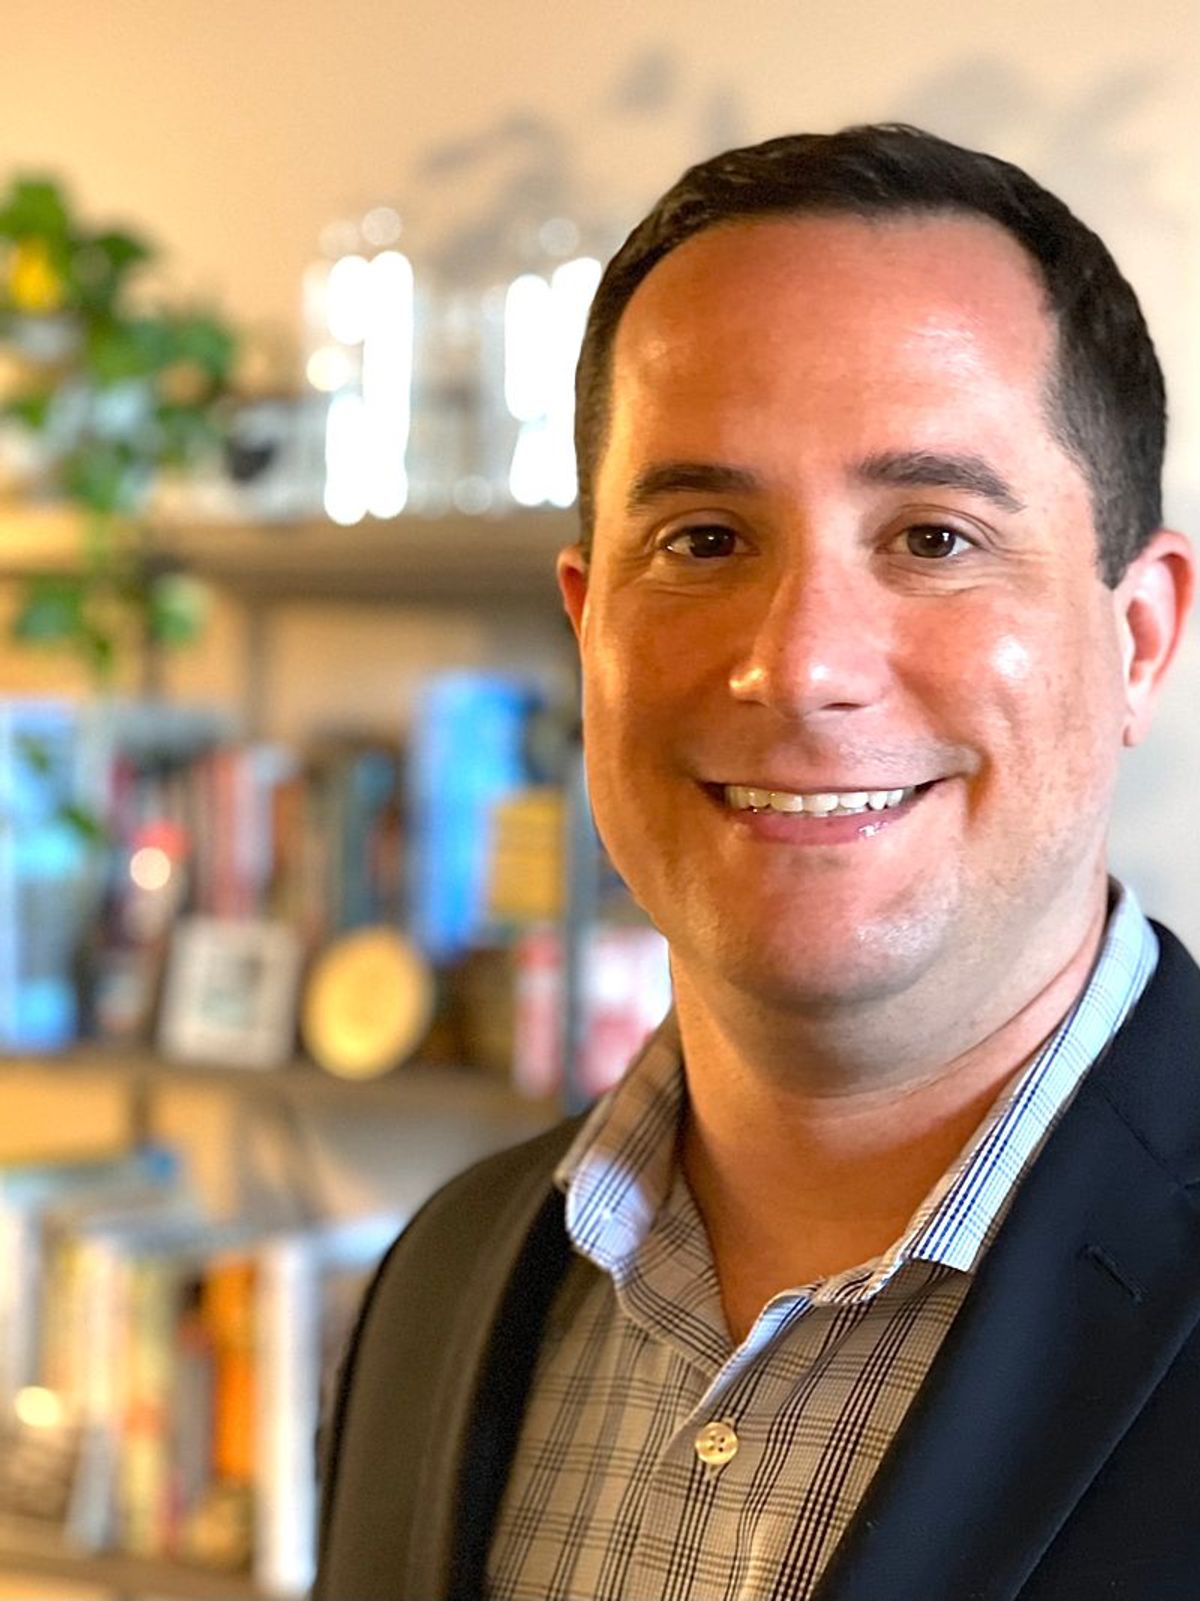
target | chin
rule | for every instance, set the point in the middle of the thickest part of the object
(812, 973)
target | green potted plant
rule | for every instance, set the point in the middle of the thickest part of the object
(102, 392)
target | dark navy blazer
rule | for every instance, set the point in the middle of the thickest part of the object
(1052, 1454)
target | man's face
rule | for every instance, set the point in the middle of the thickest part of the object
(839, 553)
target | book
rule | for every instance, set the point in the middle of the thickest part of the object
(317, 838)
(40, 1201)
(309, 1287)
(165, 1409)
(44, 873)
(187, 1376)
(467, 753)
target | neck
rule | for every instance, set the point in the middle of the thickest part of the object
(809, 1147)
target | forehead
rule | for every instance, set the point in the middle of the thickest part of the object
(833, 310)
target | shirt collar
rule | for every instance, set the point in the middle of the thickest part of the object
(618, 1171)
(961, 1214)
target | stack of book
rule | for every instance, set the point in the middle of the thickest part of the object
(317, 839)
(161, 1372)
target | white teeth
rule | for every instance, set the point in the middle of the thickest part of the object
(742, 798)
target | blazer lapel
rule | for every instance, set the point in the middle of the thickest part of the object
(1078, 1309)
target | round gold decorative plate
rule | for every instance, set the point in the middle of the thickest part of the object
(367, 1004)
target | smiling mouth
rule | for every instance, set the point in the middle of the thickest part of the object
(817, 804)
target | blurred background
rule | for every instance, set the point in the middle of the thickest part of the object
(300, 908)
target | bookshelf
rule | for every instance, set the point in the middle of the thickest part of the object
(26, 1550)
(499, 570)
(477, 562)
(414, 1108)
(415, 1093)
(415, 1089)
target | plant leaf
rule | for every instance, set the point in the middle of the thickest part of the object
(177, 608)
(207, 342)
(51, 611)
(101, 474)
(99, 267)
(31, 409)
(117, 350)
(35, 206)
(85, 822)
(122, 250)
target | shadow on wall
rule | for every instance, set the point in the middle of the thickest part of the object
(522, 165)
(1085, 148)
(989, 105)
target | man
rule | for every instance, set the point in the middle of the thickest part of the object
(878, 1277)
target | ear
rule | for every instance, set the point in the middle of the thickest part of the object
(1152, 602)
(572, 570)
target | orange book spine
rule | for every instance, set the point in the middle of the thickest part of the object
(229, 1310)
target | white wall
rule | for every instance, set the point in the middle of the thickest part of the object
(235, 129)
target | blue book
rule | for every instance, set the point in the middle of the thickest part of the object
(43, 875)
(466, 753)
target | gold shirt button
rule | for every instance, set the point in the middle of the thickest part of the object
(717, 1443)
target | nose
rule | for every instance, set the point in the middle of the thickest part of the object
(817, 645)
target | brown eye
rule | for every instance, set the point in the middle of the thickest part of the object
(703, 541)
(930, 541)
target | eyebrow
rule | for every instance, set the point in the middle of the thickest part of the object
(913, 469)
(928, 469)
(694, 477)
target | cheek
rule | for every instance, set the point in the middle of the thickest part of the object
(1011, 663)
(619, 722)
(1025, 690)
(642, 675)
(1051, 693)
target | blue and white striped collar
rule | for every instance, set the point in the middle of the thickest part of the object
(962, 1212)
(619, 1169)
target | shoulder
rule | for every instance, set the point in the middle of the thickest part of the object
(500, 1178)
(1174, 988)
(446, 1278)
(446, 1275)
(458, 1297)
(482, 1214)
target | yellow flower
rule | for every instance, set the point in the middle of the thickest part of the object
(33, 283)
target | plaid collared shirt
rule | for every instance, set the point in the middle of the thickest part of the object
(656, 1462)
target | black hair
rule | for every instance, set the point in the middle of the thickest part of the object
(1106, 400)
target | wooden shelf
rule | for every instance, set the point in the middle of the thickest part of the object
(27, 1549)
(414, 1090)
(453, 560)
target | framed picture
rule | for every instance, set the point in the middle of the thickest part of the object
(230, 993)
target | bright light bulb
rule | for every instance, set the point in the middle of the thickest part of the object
(329, 369)
(346, 305)
(38, 1408)
(526, 356)
(543, 330)
(387, 381)
(150, 868)
(382, 226)
(527, 473)
(345, 460)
